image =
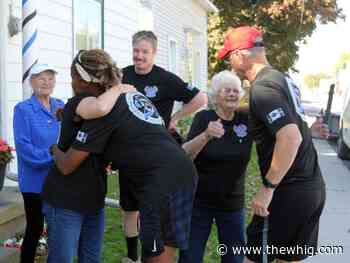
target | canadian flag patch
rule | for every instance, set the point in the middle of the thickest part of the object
(275, 115)
(81, 137)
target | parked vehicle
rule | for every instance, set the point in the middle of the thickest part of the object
(343, 144)
(343, 147)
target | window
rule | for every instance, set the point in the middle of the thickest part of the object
(193, 58)
(196, 73)
(172, 55)
(88, 24)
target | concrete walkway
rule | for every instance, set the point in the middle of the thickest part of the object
(335, 220)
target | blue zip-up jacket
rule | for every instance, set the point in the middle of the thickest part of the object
(35, 130)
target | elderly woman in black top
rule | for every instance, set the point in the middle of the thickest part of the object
(220, 145)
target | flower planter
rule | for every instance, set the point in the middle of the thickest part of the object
(2, 175)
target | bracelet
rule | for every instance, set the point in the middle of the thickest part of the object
(267, 183)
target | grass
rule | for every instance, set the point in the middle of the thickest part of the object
(114, 247)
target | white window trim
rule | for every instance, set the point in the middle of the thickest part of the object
(74, 26)
(197, 68)
(172, 39)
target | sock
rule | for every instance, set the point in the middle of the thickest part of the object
(131, 243)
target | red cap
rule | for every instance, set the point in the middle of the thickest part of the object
(239, 38)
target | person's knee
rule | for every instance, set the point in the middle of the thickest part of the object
(131, 223)
(167, 256)
(246, 260)
(283, 261)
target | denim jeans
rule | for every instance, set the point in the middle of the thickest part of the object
(230, 227)
(73, 234)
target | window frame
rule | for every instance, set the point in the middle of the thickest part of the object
(170, 40)
(74, 7)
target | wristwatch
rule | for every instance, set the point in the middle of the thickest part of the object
(268, 184)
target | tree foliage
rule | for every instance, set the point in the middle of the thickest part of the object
(285, 23)
(343, 59)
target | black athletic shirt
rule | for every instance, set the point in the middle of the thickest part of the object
(132, 136)
(222, 163)
(162, 87)
(84, 190)
(275, 103)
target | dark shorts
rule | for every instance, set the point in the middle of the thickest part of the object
(290, 232)
(166, 221)
(128, 195)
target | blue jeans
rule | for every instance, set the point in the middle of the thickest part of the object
(73, 234)
(230, 227)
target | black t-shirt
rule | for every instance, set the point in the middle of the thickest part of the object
(222, 163)
(84, 190)
(275, 103)
(135, 140)
(162, 87)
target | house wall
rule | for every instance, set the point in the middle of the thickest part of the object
(55, 38)
(171, 18)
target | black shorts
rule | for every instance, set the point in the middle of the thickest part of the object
(166, 221)
(290, 232)
(128, 195)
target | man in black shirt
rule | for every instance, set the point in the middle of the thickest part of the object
(163, 88)
(288, 206)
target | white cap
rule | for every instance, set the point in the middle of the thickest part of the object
(38, 68)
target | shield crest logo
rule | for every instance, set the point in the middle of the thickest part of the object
(151, 91)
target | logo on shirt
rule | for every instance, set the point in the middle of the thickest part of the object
(81, 137)
(151, 91)
(143, 108)
(275, 115)
(241, 130)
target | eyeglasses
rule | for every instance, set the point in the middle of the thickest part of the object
(227, 91)
(46, 80)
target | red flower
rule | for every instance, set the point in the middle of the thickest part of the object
(5, 152)
(4, 148)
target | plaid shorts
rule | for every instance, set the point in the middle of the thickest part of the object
(166, 221)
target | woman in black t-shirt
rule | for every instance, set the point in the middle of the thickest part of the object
(73, 204)
(133, 137)
(220, 145)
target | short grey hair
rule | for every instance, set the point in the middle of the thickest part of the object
(221, 79)
(145, 35)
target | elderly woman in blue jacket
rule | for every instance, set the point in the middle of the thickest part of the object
(35, 129)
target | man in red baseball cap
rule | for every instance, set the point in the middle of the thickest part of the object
(240, 38)
(288, 206)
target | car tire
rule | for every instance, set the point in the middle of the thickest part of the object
(342, 150)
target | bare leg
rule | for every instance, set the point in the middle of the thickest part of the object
(131, 233)
(167, 256)
(130, 223)
(282, 261)
(246, 260)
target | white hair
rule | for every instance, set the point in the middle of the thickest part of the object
(222, 79)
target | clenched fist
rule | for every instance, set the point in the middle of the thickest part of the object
(215, 129)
